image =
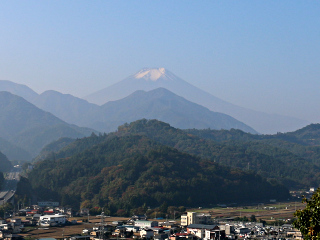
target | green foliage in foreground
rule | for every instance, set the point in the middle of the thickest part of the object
(308, 219)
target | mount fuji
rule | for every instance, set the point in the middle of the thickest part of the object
(151, 78)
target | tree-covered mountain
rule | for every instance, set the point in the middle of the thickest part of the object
(130, 171)
(31, 128)
(269, 160)
(304, 142)
(264, 154)
(308, 136)
(5, 164)
(54, 147)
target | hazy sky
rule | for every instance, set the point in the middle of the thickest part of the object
(263, 55)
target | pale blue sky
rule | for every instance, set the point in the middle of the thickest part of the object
(263, 55)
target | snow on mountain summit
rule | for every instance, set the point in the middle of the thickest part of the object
(152, 74)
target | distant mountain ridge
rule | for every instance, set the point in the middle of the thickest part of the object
(72, 109)
(65, 106)
(30, 128)
(157, 104)
(18, 89)
(151, 78)
(165, 106)
(13, 152)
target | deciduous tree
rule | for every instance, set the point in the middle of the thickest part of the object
(308, 219)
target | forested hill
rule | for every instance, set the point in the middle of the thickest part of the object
(53, 147)
(292, 164)
(130, 171)
(264, 157)
(308, 136)
(5, 164)
(304, 142)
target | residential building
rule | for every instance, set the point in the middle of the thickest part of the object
(195, 218)
(52, 220)
(199, 230)
(146, 233)
(146, 224)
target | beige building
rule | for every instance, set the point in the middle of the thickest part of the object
(195, 218)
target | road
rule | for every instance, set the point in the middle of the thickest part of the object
(10, 185)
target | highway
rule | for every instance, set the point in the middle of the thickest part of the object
(10, 185)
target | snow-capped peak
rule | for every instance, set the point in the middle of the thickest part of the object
(152, 74)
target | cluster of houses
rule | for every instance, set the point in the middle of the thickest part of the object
(192, 226)
(45, 214)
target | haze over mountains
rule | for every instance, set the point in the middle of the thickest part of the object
(26, 128)
(153, 94)
(152, 78)
(157, 104)
(163, 105)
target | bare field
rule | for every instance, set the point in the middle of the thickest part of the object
(66, 231)
(261, 211)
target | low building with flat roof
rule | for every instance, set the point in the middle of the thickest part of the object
(145, 224)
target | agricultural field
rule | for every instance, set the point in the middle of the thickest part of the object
(267, 212)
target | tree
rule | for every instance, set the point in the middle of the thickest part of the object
(308, 219)
(253, 218)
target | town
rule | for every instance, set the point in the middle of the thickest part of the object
(48, 220)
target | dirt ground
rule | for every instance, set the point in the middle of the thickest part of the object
(268, 212)
(67, 231)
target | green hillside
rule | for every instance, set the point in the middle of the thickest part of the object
(304, 142)
(292, 164)
(53, 147)
(130, 171)
(269, 160)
